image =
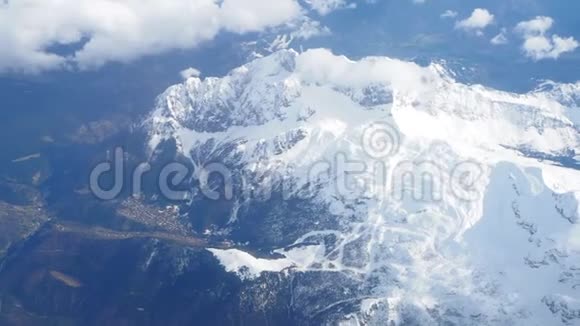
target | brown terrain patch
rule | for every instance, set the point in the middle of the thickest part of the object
(66, 279)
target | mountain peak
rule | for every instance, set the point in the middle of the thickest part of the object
(501, 208)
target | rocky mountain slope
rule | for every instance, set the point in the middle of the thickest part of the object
(440, 201)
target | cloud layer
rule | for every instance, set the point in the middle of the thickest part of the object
(101, 31)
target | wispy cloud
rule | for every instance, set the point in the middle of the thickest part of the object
(449, 14)
(324, 7)
(500, 38)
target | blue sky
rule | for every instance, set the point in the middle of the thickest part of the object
(414, 31)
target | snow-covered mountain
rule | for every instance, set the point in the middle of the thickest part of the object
(446, 202)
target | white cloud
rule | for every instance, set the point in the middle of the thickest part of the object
(537, 26)
(323, 66)
(500, 38)
(123, 30)
(541, 47)
(190, 72)
(449, 14)
(324, 7)
(479, 19)
(538, 45)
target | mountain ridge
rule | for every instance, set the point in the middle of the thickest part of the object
(448, 257)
